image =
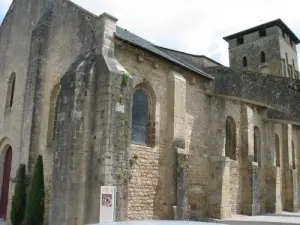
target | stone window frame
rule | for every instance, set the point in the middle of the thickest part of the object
(151, 128)
(277, 149)
(230, 140)
(262, 57)
(256, 144)
(52, 116)
(245, 61)
(11, 84)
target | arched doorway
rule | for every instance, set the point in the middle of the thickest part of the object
(7, 158)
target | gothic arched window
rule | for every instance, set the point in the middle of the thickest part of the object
(230, 142)
(140, 117)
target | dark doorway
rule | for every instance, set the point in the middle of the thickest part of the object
(5, 183)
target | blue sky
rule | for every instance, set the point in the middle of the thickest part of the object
(190, 25)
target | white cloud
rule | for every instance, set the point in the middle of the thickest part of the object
(194, 26)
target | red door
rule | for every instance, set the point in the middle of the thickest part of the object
(5, 183)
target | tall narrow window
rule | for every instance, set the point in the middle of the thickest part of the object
(293, 155)
(256, 144)
(245, 61)
(277, 149)
(52, 120)
(293, 63)
(262, 57)
(230, 142)
(140, 117)
(10, 90)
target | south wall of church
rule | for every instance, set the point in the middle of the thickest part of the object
(153, 176)
(152, 192)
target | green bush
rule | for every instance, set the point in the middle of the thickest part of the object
(19, 198)
(34, 214)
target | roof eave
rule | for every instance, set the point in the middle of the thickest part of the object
(277, 22)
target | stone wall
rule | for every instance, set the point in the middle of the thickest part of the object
(14, 59)
(67, 22)
(154, 176)
(153, 183)
(146, 189)
(197, 131)
(265, 90)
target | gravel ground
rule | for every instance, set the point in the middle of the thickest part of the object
(284, 218)
(268, 219)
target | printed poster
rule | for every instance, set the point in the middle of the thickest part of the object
(107, 204)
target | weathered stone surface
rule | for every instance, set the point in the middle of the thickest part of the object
(72, 106)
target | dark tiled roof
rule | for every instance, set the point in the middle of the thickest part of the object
(187, 57)
(277, 22)
(148, 46)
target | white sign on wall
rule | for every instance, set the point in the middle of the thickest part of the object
(107, 204)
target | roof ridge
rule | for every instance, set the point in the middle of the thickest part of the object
(188, 54)
(174, 50)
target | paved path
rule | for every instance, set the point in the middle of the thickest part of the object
(268, 219)
(284, 218)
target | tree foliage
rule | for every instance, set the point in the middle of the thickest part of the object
(34, 214)
(19, 198)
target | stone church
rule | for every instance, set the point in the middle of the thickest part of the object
(179, 135)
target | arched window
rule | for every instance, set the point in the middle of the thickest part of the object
(245, 61)
(293, 155)
(230, 142)
(140, 117)
(10, 90)
(277, 149)
(257, 144)
(52, 121)
(262, 57)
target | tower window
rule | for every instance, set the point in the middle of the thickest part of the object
(262, 57)
(240, 40)
(262, 33)
(244, 61)
(291, 42)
